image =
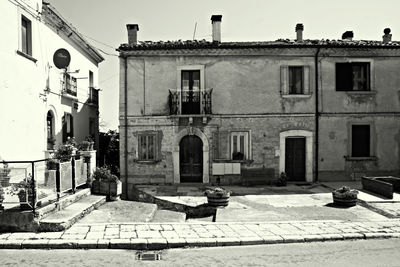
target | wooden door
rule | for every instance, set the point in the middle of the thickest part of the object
(295, 158)
(191, 159)
(190, 92)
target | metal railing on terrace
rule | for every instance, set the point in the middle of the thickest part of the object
(93, 96)
(27, 185)
(69, 85)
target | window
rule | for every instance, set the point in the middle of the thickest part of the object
(69, 84)
(295, 80)
(353, 76)
(26, 36)
(360, 141)
(239, 145)
(147, 146)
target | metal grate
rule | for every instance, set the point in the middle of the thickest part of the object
(148, 255)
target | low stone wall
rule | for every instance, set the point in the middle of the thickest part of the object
(18, 221)
(378, 185)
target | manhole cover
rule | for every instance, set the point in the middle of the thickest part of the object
(148, 255)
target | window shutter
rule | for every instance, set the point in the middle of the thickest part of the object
(224, 144)
(64, 128)
(306, 79)
(344, 77)
(284, 80)
(158, 145)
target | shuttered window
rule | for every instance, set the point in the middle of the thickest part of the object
(149, 145)
(360, 141)
(295, 80)
(26, 36)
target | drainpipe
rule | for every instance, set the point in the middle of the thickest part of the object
(126, 124)
(316, 115)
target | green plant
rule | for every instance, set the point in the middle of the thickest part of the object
(345, 192)
(217, 192)
(64, 152)
(84, 145)
(103, 174)
(282, 180)
(24, 186)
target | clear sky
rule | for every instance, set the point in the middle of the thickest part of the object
(248, 20)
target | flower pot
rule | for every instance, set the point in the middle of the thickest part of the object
(113, 189)
(24, 205)
(344, 201)
(217, 199)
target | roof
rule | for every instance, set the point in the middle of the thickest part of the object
(280, 43)
(52, 16)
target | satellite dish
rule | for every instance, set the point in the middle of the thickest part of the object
(61, 58)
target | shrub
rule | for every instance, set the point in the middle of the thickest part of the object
(103, 174)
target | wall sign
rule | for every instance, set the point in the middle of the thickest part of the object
(61, 58)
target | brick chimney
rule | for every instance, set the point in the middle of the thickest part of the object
(348, 35)
(216, 28)
(132, 33)
(299, 32)
(387, 37)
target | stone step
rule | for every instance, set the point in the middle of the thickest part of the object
(64, 218)
(64, 202)
(168, 216)
(122, 211)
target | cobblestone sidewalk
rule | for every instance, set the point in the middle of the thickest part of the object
(155, 236)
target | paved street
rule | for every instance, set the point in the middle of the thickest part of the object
(167, 235)
(341, 253)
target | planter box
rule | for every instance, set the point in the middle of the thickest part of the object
(381, 185)
(346, 202)
(218, 200)
(112, 189)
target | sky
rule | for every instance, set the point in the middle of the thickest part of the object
(103, 23)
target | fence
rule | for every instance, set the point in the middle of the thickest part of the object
(27, 185)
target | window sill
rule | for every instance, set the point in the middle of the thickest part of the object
(141, 161)
(296, 96)
(26, 56)
(246, 161)
(373, 158)
(359, 92)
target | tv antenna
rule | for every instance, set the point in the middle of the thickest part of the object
(194, 32)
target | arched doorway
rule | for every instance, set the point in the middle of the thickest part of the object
(191, 159)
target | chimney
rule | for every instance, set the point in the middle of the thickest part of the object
(387, 37)
(216, 28)
(299, 32)
(348, 35)
(132, 33)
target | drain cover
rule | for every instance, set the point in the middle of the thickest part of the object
(148, 255)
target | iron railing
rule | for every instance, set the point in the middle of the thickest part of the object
(190, 102)
(69, 85)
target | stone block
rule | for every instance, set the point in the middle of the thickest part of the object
(157, 243)
(35, 244)
(228, 241)
(139, 243)
(120, 244)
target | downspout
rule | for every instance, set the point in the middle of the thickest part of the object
(316, 115)
(126, 125)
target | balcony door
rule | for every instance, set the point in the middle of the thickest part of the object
(190, 91)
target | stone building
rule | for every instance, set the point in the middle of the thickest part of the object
(41, 104)
(244, 112)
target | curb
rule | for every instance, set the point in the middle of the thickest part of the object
(162, 243)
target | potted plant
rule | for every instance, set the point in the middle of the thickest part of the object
(5, 175)
(84, 146)
(24, 190)
(89, 139)
(218, 196)
(66, 151)
(345, 196)
(106, 183)
(282, 180)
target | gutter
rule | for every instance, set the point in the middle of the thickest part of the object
(126, 124)
(316, 114)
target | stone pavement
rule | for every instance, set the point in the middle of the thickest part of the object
(156, 236)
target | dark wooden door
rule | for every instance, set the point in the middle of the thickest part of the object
(190, 92)
(295, 159)
(191, 159)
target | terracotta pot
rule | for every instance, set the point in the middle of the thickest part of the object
(346, 201)
(217, 200)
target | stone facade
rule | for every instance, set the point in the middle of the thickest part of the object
(253, 98)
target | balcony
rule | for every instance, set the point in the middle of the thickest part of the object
(190, 102)
(69, 85)
(93, 96)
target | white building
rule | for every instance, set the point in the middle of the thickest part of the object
(41, 104)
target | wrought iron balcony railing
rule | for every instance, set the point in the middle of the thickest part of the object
(93, 96)
(69, 85)
(190, 102)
